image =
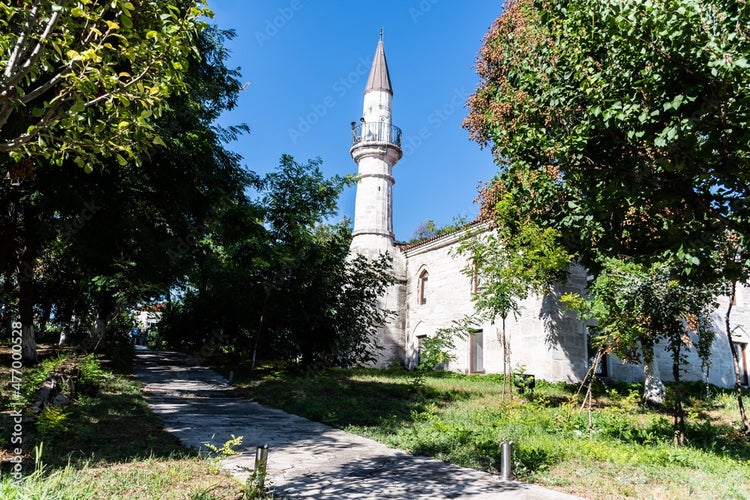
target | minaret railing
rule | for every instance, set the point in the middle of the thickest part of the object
(376, 132)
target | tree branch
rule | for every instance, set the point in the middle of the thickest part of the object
(37, 51)
(50, 117)
(18, 47)
(124, 86)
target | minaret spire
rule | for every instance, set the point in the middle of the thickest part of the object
(379, 78)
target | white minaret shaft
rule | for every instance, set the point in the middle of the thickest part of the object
(376, 148)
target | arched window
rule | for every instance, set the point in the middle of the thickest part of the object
(423, 276)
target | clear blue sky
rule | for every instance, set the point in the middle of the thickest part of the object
(308, 62)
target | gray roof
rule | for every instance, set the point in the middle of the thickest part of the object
(379, 78)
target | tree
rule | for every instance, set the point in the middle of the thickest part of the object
(277, 282)
(82, 80)
(509, 263)
(106, 240)
(626, 123)
(425, 229)
(428, 229)
(324, 302)
(636, 111)
(636, 307)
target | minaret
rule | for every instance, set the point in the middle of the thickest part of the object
(376, 147)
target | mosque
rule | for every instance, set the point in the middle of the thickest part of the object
(432, 290)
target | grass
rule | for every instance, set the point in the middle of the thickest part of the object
(462, 419)
(105, 444)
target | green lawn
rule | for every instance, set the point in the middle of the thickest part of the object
(463, 420)
(107, 444)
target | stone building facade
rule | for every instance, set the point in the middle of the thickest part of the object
(432, 290)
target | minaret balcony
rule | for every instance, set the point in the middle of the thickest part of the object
(376, 132)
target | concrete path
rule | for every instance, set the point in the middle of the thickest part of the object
(305, 459)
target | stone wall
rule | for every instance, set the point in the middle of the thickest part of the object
(721, 371)
(545, 340)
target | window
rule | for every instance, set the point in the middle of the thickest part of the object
(601, 369)
(423, 276)
(741, 350)
(476, 352)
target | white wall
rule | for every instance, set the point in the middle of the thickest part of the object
(548, 341)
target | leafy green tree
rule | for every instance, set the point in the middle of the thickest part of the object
(324, 301)
(106, 240)
(278, 281)
(636, 307)
(428, 229)
(508, 264)
(83, 80)
(635, 111)
(626, 123)
(424, 230)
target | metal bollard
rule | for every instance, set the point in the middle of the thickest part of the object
(261, 460)
(507, 460)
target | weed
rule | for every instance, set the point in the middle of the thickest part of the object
(51, 423)
(227, 449)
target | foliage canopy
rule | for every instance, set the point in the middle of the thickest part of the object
(82, 80)
(634, 115)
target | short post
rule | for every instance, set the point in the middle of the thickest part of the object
(261, 460)
(506, 467)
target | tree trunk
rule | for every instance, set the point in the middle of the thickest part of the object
(679, 411)
(507, 377)
(260, 327)
(45, 316)
(66, 323)
(98, 330)
(653, 388)
(736, 361)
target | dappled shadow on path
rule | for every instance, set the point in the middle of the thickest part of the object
(306, 459)
(401, 476)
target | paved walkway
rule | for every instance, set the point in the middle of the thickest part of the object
(305, 459)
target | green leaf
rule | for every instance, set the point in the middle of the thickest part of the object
(126, 21)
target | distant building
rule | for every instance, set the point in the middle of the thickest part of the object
(148, 315)
(431, 291)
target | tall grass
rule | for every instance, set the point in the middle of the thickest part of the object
(105, 444)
